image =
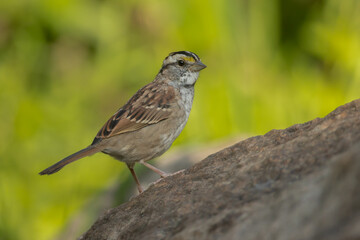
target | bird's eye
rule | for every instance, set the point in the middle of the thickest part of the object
(181, 62)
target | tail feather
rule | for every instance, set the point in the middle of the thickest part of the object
(76, 156)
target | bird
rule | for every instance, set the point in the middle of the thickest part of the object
(147, 125)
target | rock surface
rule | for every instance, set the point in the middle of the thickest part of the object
(298, 183)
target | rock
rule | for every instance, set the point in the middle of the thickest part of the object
(298, 183)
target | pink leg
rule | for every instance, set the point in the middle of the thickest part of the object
(131, 168)
(158, 171)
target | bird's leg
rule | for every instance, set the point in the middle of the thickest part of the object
(158, 171)
(131, 168)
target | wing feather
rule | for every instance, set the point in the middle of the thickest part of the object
(150, 105)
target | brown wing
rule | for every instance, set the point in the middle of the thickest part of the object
(149, 105)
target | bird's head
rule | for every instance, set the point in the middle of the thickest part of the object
(182, 66)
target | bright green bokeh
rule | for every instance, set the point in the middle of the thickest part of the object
(66, 66)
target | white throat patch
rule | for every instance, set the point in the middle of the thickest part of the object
(189, 78)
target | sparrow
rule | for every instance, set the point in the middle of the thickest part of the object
(147, 125)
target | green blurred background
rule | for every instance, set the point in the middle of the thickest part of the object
(66, 66)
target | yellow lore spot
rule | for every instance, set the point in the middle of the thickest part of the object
(189, 59)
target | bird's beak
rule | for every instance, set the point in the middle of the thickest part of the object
(197, 66)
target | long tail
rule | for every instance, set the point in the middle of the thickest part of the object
(76, 156)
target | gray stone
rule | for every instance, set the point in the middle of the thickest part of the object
(298, 183)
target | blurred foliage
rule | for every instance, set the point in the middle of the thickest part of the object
(66, 66)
